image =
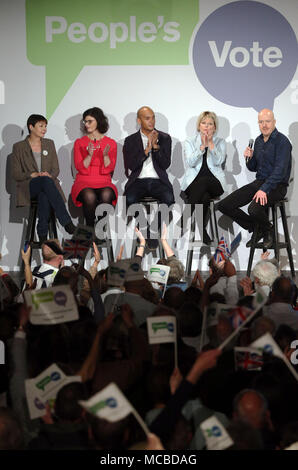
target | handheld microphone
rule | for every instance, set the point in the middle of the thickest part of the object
(250, 144)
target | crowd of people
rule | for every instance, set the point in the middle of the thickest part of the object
(108, 343)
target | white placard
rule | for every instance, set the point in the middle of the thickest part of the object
(161, 329)
(109, 403)
(215, 434)
(44, 388)
(52, 305)
(267, 345)
(158, 273)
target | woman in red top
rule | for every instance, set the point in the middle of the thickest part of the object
(95, 159)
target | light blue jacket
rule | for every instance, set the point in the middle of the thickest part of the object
(194, 159)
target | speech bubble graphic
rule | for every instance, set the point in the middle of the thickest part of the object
(42, 297)
(60, 298)
(46, 380)
(163, 326)
(245, 54)
(66, 36)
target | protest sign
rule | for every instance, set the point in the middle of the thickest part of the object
(158, 273)
(51, 305)
(215, 434)
(44, 388)
(112, 405)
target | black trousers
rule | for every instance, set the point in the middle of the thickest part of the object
(202, 189)
(257, 214)
(149, 187)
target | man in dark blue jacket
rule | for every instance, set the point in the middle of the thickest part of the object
(147, 155)
(271, 159)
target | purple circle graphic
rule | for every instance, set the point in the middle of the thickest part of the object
(245, 54)
(60, 298)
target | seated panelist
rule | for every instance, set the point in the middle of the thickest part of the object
(35, 169)
(204, 178)
(95, 157)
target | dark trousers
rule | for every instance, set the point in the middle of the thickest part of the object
(202, 189)
(257, 214)
(153, 187)
(45, 191)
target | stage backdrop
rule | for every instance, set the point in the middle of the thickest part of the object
(60, 57)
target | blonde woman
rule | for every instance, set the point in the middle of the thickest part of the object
(204, 178)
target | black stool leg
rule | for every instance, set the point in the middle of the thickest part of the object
(190, 241)
(275, 229)
(52, 225)
(252, 251)
(214, 222)
(109, 243)
(287, 237)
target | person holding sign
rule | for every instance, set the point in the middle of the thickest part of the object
(95, 157)
(204, 178)
(35, 168)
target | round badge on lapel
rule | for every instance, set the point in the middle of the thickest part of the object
(45, 152)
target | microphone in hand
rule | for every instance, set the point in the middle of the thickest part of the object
(250, 145)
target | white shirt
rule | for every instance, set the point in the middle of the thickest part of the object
(148, 170)
(45, 275)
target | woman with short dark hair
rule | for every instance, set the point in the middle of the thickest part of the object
(95, 158)
(35, 168)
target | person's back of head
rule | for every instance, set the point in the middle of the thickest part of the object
(67, 276)
(109, 435)
(190, 320)
(265, 273)
(116, 344)
(251, 407)
(158, 385)
(176, 269)
(181, 435)
(100, 281)
(282, 290)
(67, 408)
(52, 252)
(11, 433)
(193, 294)
(174, 297)
(284, 336)
(144, 288)
(261, 326)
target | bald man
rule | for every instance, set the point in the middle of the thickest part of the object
(271, 159)
(147, 155)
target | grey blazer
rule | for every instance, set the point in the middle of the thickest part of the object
(24, 163)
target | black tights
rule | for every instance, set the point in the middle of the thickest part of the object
(91, 198)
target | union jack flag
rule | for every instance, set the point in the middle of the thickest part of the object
(238, 315)
(76, 248)
(222, 251)
(248, 359)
